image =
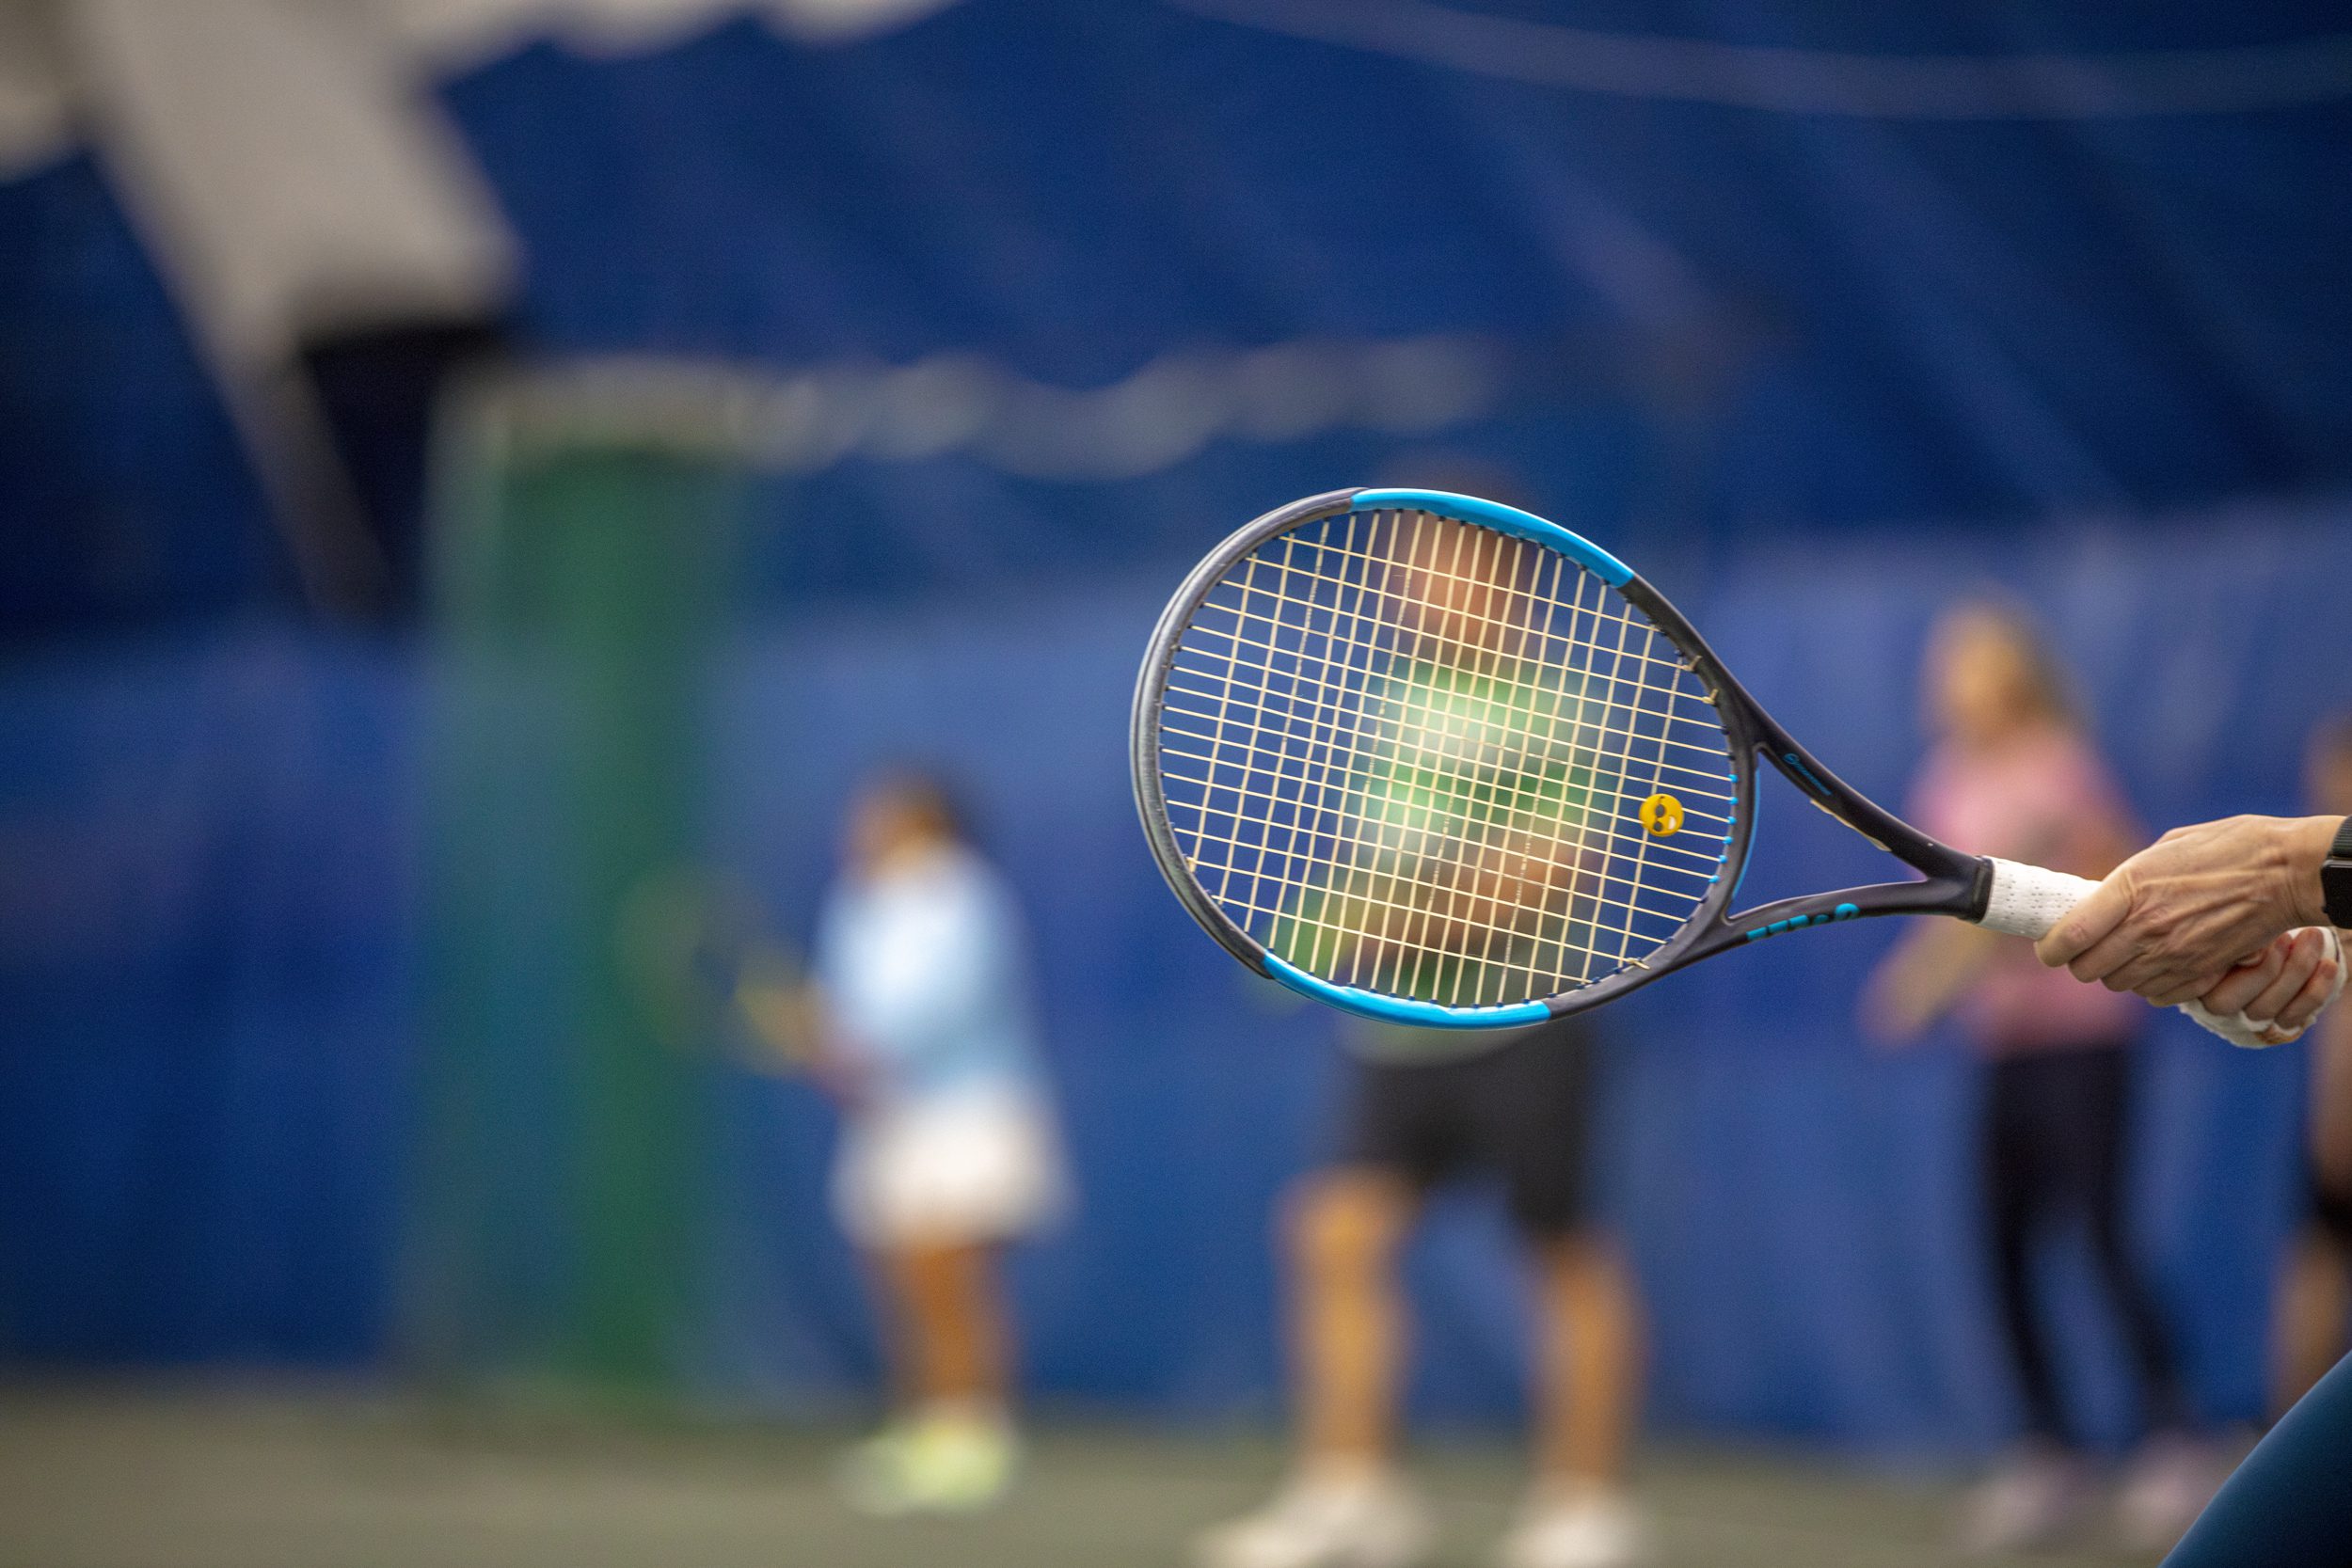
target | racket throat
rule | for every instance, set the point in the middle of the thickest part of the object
(1843, 820)
(1954, 896)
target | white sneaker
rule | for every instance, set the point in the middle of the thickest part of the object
(1579, 1527)
(2032, 1499)
(2171, 1480)
(1367, 1521)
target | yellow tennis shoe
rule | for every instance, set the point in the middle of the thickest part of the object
(948, 1461)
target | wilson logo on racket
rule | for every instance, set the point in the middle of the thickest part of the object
(1435, 760)
(1843, 912)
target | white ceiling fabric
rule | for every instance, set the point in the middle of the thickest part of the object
(43, 77)
(293, 177)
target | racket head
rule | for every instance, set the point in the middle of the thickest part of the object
(1438, 761)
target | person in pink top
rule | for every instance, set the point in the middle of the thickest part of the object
(2014, 774)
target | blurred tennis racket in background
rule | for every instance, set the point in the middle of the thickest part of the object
(711, 974)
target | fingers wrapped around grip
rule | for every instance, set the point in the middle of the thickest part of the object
(2275, 997)
(2065, 914)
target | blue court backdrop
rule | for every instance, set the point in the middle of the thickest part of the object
(1815, 373)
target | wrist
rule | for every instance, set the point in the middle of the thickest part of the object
(2304, 848)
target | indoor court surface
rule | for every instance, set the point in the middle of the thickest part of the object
(108, 1479)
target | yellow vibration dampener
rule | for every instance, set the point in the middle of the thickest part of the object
(1662, 814)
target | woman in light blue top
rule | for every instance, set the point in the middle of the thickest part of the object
(920, 957)
(948, 1151)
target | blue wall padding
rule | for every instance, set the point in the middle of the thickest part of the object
(206, 947)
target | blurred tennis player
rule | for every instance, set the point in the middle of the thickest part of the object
(922, 1032)
(2315, 1295)
(1454, 773)
(2013, 775)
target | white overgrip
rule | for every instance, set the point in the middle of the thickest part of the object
(2027, 900)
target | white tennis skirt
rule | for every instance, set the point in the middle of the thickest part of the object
(975, 1165)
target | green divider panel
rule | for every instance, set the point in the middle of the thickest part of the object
(583, 578)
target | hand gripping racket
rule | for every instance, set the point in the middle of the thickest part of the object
(1438, 761)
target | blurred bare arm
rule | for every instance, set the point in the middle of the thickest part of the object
(1937, 960)
(789, 1014)
(1923, 979)
(2331, 1101)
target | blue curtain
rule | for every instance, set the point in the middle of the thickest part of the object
(206, 961)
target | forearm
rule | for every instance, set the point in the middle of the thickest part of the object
(782, 1017)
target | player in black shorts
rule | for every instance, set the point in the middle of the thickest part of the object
(1427, 1112)
(1426, 1107)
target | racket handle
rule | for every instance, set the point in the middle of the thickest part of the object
(2027, 900)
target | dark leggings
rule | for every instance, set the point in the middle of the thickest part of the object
(2054, 1149)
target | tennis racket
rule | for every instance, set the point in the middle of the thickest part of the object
(1437, 761)
(701, 963)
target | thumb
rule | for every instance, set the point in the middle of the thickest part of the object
(2102, 910)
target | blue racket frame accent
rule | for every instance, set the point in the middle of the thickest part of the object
(1503, 519)
(1391, 1009)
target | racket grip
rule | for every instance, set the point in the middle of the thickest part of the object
(2027, 900)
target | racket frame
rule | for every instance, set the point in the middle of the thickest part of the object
(1951, 883)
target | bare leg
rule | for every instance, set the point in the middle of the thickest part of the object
(1589, 1357)
(952, 1447)
(951, 1342)
(1343, 1504)
(1347, 1319)
(2313, 1298)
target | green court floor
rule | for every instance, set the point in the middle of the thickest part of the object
(133, 1477)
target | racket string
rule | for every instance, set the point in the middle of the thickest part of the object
(1241, 614)
(1611, 687)
(1707, 725)
(1369, 731)
(1474, 793)
(1490, 652)
(1702, 722)
(1408, 776)
(1472, 817)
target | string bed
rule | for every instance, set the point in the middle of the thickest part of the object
(1410, 754)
